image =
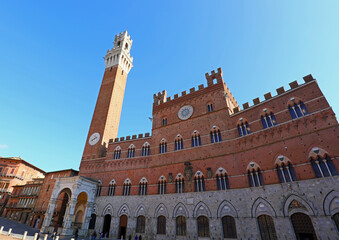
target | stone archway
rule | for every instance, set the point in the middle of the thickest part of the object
(107, 225)
(303, 227)
(122, 226)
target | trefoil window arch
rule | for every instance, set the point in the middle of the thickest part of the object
(179, 184)
(199, 182)
(163, 146)
(126, 190)
(297, 108)
(196, 140)
(162, 185)
(254, 175)
(143, 187)
(145, 151)
(131, 151)
(215, 135)
(268, 119)
(111, 188)
(243, 127)
(117, 152)
(222, 179)
(178, 143)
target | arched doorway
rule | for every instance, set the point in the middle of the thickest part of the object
(107, 225)
(60, 208)
(79, 210)
(303, 227)
(92, 221)
(122, 227)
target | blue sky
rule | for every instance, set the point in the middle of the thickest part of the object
(51, 61)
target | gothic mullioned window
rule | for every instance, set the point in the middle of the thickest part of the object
(161, 225)
(111, 188)
(163, 146)
(267, 228)
(178, 143)
(297, 108)
(145, 151)
(268, 119)
(179, 184)
(196, 140)
(285, 169)
(141, 222)
(228, 227)
(203, 226)
(210, 107)
(180, 226)
(162, 185)
(126, 190)
(117, 152)
(222, 179)
(254, 175)
(199, 182)
(243, 127)
(131, 151)
(322, 164)
(215, 135)
(143, 186)
(99, 186)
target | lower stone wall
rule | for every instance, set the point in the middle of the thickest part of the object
(318, 198)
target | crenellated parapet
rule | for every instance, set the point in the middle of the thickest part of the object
(268, 96)
(129, 138)
(214, 76)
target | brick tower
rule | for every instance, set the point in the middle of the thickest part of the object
(106, 116)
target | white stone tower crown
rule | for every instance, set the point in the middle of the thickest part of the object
(120, 53)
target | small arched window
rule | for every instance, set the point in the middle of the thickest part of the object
(254, 175)
(111, 188)
(126, 190)
(99, 186)
(203, 226)
(145, 149)
(161, 225)
(179, 184)
(143, 186)
(297, 108)
(285, 170)
(131, 151)
(162, 185)
(196, 140)
(163, 146)
(228, 227)
(322, 164)
(222, 179)
(210, 107)
(164, 121)
(117, 152)
(215, 135)
(268, 119)
(141, 221)
(180, 226)
(199, 182)
(243, 127)
(178, 143)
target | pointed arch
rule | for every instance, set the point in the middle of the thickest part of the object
(294, 100)
(108, 210)
(226, 209)
(331, 203)
(127, 181)
(117, 148)
(179, 176)
(252, 166)
(215, 134)
(201, 209)
(180, 210)
(317, 152)
(162, 178)
(304, 207)
(143, 180)
(281, 159)
(262, 207)
(161, 209)
(124, 210)
(146, 144)
(140, 210)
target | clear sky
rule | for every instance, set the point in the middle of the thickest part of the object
(51, 61)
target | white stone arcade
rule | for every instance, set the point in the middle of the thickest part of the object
(80, 197)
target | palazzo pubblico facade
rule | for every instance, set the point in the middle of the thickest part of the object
(210, 169)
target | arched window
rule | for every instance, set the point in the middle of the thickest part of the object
(323, 167)
(178, 143)
(99, 186)
(215, 135)
(203, 226)
(163, 146)
(297, 108)
(162, 185)
(254, 175)
(268, 119)
(131, 151)
(302, 226)
(243, 127)
(286, 172)
(222, 179)
(111, 188)
(196, 140)
(145, 149)
(199, 182)
(126, 190)
(266, 227)
(161, 225)
(164, 121)
(143, 186)
(179, 184)
(210, 107)
(141, 221)
(117, 152)
(181, 226)
(228, 227)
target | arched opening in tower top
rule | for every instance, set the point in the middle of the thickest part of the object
(118, 44)
(126, 46)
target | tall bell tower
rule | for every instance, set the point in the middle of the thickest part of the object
(106, 116)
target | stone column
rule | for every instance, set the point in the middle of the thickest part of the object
(49, 214)
(87, 218)
(67, 230)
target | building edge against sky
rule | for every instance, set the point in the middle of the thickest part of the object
(208, 167)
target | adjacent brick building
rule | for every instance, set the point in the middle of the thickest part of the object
(210, 169)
